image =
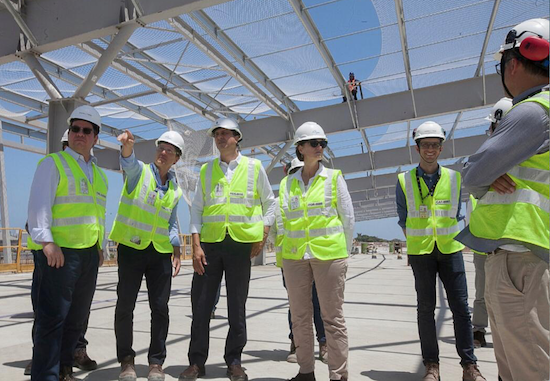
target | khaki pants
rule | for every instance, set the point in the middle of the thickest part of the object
(518, 303)
(330, 280)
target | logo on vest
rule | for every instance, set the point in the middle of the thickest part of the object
(136, 239)
(314, 204)
(443, 202)
(236, 194)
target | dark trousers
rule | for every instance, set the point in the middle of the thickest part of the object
(233, 258)
(132, 266)
(450, 268)
(62, 298)
(317, 319)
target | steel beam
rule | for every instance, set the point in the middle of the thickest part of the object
(487, 38)
(20, 22)
(4, 211)
(405, 50)
(41, 75)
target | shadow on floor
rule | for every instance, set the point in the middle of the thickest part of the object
(385, 375)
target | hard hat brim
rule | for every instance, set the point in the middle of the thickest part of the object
(322, 137)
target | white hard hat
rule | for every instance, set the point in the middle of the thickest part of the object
(535, 33)
(499, 109)
(87, 113)
(172, 137)
(228, 124)
(295, 163)
(309, 131)
(429, 130)
(65, 138)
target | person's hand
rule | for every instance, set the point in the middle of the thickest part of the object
(504, 184)
(54, 255)
(199, 260)
(257, 248)
(176, 264)
(127, 140)
(101, 257)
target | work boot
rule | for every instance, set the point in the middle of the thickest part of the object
(66, 374)
(192, 372)
(127, 369)
(323, 352)
(479, 339)
(304, 377)
(28, 369)
(471, 373)
(432, 372)
(155, 373)
(292, 354)
(83, 361)
(236, 373)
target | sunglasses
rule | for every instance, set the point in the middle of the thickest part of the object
(85, 130)
(430, 145)
(315, 143)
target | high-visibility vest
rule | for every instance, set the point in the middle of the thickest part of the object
(473, 202)
(31, 245)
(78, 211)
(279, 237)
(143, 217)
(525, 214)
(311, 220)
(233, 208)
(433, 220)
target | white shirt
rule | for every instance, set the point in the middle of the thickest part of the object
(264, 189)
(344, 204)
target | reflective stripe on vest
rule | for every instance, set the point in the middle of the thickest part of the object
(143, 217)
(234, 207)
(311, 221)
(436, 223)
(524, 215)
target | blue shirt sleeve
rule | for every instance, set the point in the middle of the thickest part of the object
(401, 202)
(173, 227)
(132, 168)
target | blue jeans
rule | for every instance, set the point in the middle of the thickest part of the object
(317, 319)
(453, 276)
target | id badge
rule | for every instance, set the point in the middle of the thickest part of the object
(423, 211)
(294, 202)
(219, 190)
(151, 198)
(83, 186)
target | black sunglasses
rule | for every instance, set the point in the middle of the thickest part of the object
(85, 130)
(315, 143)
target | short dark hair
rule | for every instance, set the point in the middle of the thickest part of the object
(532, 67)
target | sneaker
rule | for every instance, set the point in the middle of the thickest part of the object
(127, 369)
(155, 373)
(236, 373)
(304, 377)
(292, 354)
(28, 369)
(432, 372)
(66, 374)
(83, 361)
(479, 339)
(323, 352)
(471, 373)
(192, 372)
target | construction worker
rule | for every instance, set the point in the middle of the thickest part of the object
(276, 234)
(231, 213)
(81, 358)
(147, 233)
(480, 319)
(428, 206)
(318, 220)
(509, 175)
(352, 85)
(67, 218)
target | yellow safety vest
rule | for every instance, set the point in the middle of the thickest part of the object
(280, 236)
(233, 208)
(311, 220)
(433, 220)
(78, 211)
(143, 217)
(473, 201)
(525, 214)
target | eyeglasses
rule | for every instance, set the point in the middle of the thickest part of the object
(426, 145)
(169, 151)
(315, 143)
(85, 130)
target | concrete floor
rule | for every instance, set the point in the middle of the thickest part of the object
(380, 312)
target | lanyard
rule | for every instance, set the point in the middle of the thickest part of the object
(431, 190)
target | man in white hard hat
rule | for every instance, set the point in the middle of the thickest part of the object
(147, 232)
(428, 205)
(67, 218)
(510, 176)
(231, 214)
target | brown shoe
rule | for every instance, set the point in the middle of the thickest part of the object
(303, 377)
(323, 352)
(66, 374)
(192, 372)
(28, 369)
(127, 369)
(479, 339)
(236, 373)
(471, 373)
(83, 361)
(155, 373)
(432, 372)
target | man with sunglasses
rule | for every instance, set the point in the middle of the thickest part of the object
(428, 205)
(67, 218)
(510, 175)
(147, 232)
(231, 214)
